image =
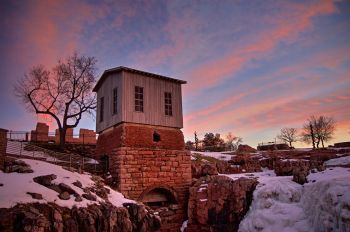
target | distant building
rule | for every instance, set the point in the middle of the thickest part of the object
(273, 146)
(139, 121)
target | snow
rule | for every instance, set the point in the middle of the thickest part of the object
(15, 186)
(338, 161)
(279, 204)
(184, 226)
(216, 155)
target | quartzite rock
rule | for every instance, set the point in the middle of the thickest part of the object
(218, 203)
(45, 180)
(37, 196)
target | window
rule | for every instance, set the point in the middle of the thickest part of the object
(138, 99)
(168, 104)
(102, 102)
(156, 137)
(115, 101)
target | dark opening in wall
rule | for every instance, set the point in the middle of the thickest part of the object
(156, 137)
(158, 197)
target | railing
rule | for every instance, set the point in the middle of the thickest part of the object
(24, 149)
(84, 139)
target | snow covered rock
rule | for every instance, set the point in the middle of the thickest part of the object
(279, 204)
(218, 203)
(38, 217)
(69, 201)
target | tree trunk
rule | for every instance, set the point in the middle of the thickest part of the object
(62, 138)
(290, 145)
(322, 143)
(312, 136)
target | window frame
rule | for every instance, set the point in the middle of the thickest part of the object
(139, 99)
(115, 101)
(168, 104)
(102, 103)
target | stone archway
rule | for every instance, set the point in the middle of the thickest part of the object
(158, 196)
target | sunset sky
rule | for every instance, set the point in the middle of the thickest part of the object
(252, 67)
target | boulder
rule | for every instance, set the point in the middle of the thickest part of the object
(218, 203)
(285, 167)
(19, 166)
(78, 184)
(37, 196)
(300, 174)
(89, 196)
(66, 188)
(203, 169)
(244, 148)
(64, 196)
(37, 217)
(45, 180)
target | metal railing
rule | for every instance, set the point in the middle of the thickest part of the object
(25, 149)
(85, 139)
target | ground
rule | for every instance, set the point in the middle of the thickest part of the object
(16, 185)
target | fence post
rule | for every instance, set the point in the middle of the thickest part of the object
(20, 151)
(82, 166)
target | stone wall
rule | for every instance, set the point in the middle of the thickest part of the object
(41, 133)
(3, 141)
(139, 136)
(139, 170)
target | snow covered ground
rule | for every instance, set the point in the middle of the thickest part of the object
(281, 205)
(15, 186)
(216, 155)
(338, 161)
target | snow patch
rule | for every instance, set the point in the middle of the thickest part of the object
(15, 186)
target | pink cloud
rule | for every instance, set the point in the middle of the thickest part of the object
(218, 70)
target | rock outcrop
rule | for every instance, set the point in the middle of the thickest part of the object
(218, 203)
(11, 165)
(37, 217)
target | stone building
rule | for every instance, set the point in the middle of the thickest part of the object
(139, 121)
(41, 134)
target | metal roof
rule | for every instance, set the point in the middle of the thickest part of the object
(122, 68)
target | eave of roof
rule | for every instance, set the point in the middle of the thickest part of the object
(122, 68)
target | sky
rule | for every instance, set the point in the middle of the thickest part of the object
(252, 67)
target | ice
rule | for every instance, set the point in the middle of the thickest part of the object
(279, 204)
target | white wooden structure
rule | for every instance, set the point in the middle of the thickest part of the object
(129, 95)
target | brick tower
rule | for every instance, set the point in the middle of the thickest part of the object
(139, 121)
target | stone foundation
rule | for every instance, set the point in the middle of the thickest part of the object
(137, 171)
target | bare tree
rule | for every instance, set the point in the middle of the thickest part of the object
(196, 140)
(326, 130)
(288, 135)
(232, 141)
(318, 130)
(65, 93)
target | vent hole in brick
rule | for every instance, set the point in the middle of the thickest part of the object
(156, 137)
(159, 197)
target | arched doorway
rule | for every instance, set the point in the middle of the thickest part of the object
(159, 196)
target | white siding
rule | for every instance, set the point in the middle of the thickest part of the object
(154, 107)
(106, 91)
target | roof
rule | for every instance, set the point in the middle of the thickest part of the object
(122, 68)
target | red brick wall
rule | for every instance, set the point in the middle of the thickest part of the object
(139, 136)
(136, 170)
(138, 164)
